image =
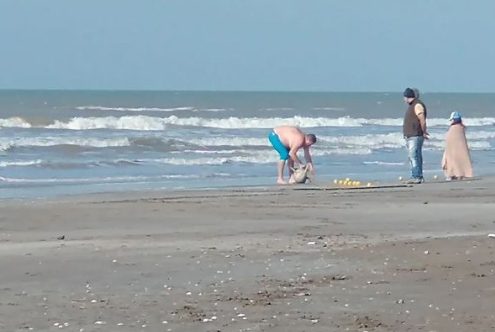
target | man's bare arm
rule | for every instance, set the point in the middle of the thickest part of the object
(295, 144)
(420, 113)
(422, 123)
(293, 155)
(307, 156)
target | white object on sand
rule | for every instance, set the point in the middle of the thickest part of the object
(492, 235)
(300, 175)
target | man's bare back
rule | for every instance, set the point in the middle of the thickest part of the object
(290, 136)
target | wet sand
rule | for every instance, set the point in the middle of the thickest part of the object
(254, 259)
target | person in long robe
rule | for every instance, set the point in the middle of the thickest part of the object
(456, 160)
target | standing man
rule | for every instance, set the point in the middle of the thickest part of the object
(414, 130)
(287, 140)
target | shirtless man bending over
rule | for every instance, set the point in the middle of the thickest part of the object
(287, 140)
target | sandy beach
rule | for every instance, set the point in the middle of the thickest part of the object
(255, 259)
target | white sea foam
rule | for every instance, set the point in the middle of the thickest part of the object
(214, 161)
(473, 145)
(114, 179)
(143, 122)
(20, 163)
(75, 180)
(209, 152)
(384, 163)
(14, 122)
(373, 141)
(229, 141)
(249, 157)
(96, 142)
(478, 140)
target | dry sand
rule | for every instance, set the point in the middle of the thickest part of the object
(254, 259)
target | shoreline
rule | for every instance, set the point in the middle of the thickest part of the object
(273, 187)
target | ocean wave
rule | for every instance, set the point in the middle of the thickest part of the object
(195, 157)
(149, 123)
(20, 163)
(112, 179)
(478, 140)
(373, 141)
(93, 142)
(368, 141)
(15, 122)
(249, 157)
(235, 155)
(147, 109)
(383, 163)
(73, 180)
(273, 109)
(328, 108)
(65, 164)
(473, 145)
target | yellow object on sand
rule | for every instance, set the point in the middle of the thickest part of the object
(358, 183)
(341, 182)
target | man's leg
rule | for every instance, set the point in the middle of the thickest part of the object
(414, 151)
(420, 156)
(290, 166)
(280, 172)
(277, 145)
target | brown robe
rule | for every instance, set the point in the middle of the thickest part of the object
(456, 161)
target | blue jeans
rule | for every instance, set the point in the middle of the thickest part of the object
(415, 153)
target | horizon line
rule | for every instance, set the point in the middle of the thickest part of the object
(231, 91)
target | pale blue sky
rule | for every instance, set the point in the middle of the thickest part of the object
(345, 45)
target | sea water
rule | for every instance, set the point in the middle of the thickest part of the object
(68, 142)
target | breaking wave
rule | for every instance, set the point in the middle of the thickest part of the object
(149, 123)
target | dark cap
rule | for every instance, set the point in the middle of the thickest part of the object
(409, 93)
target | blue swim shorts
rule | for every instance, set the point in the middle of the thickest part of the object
(278, 146)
